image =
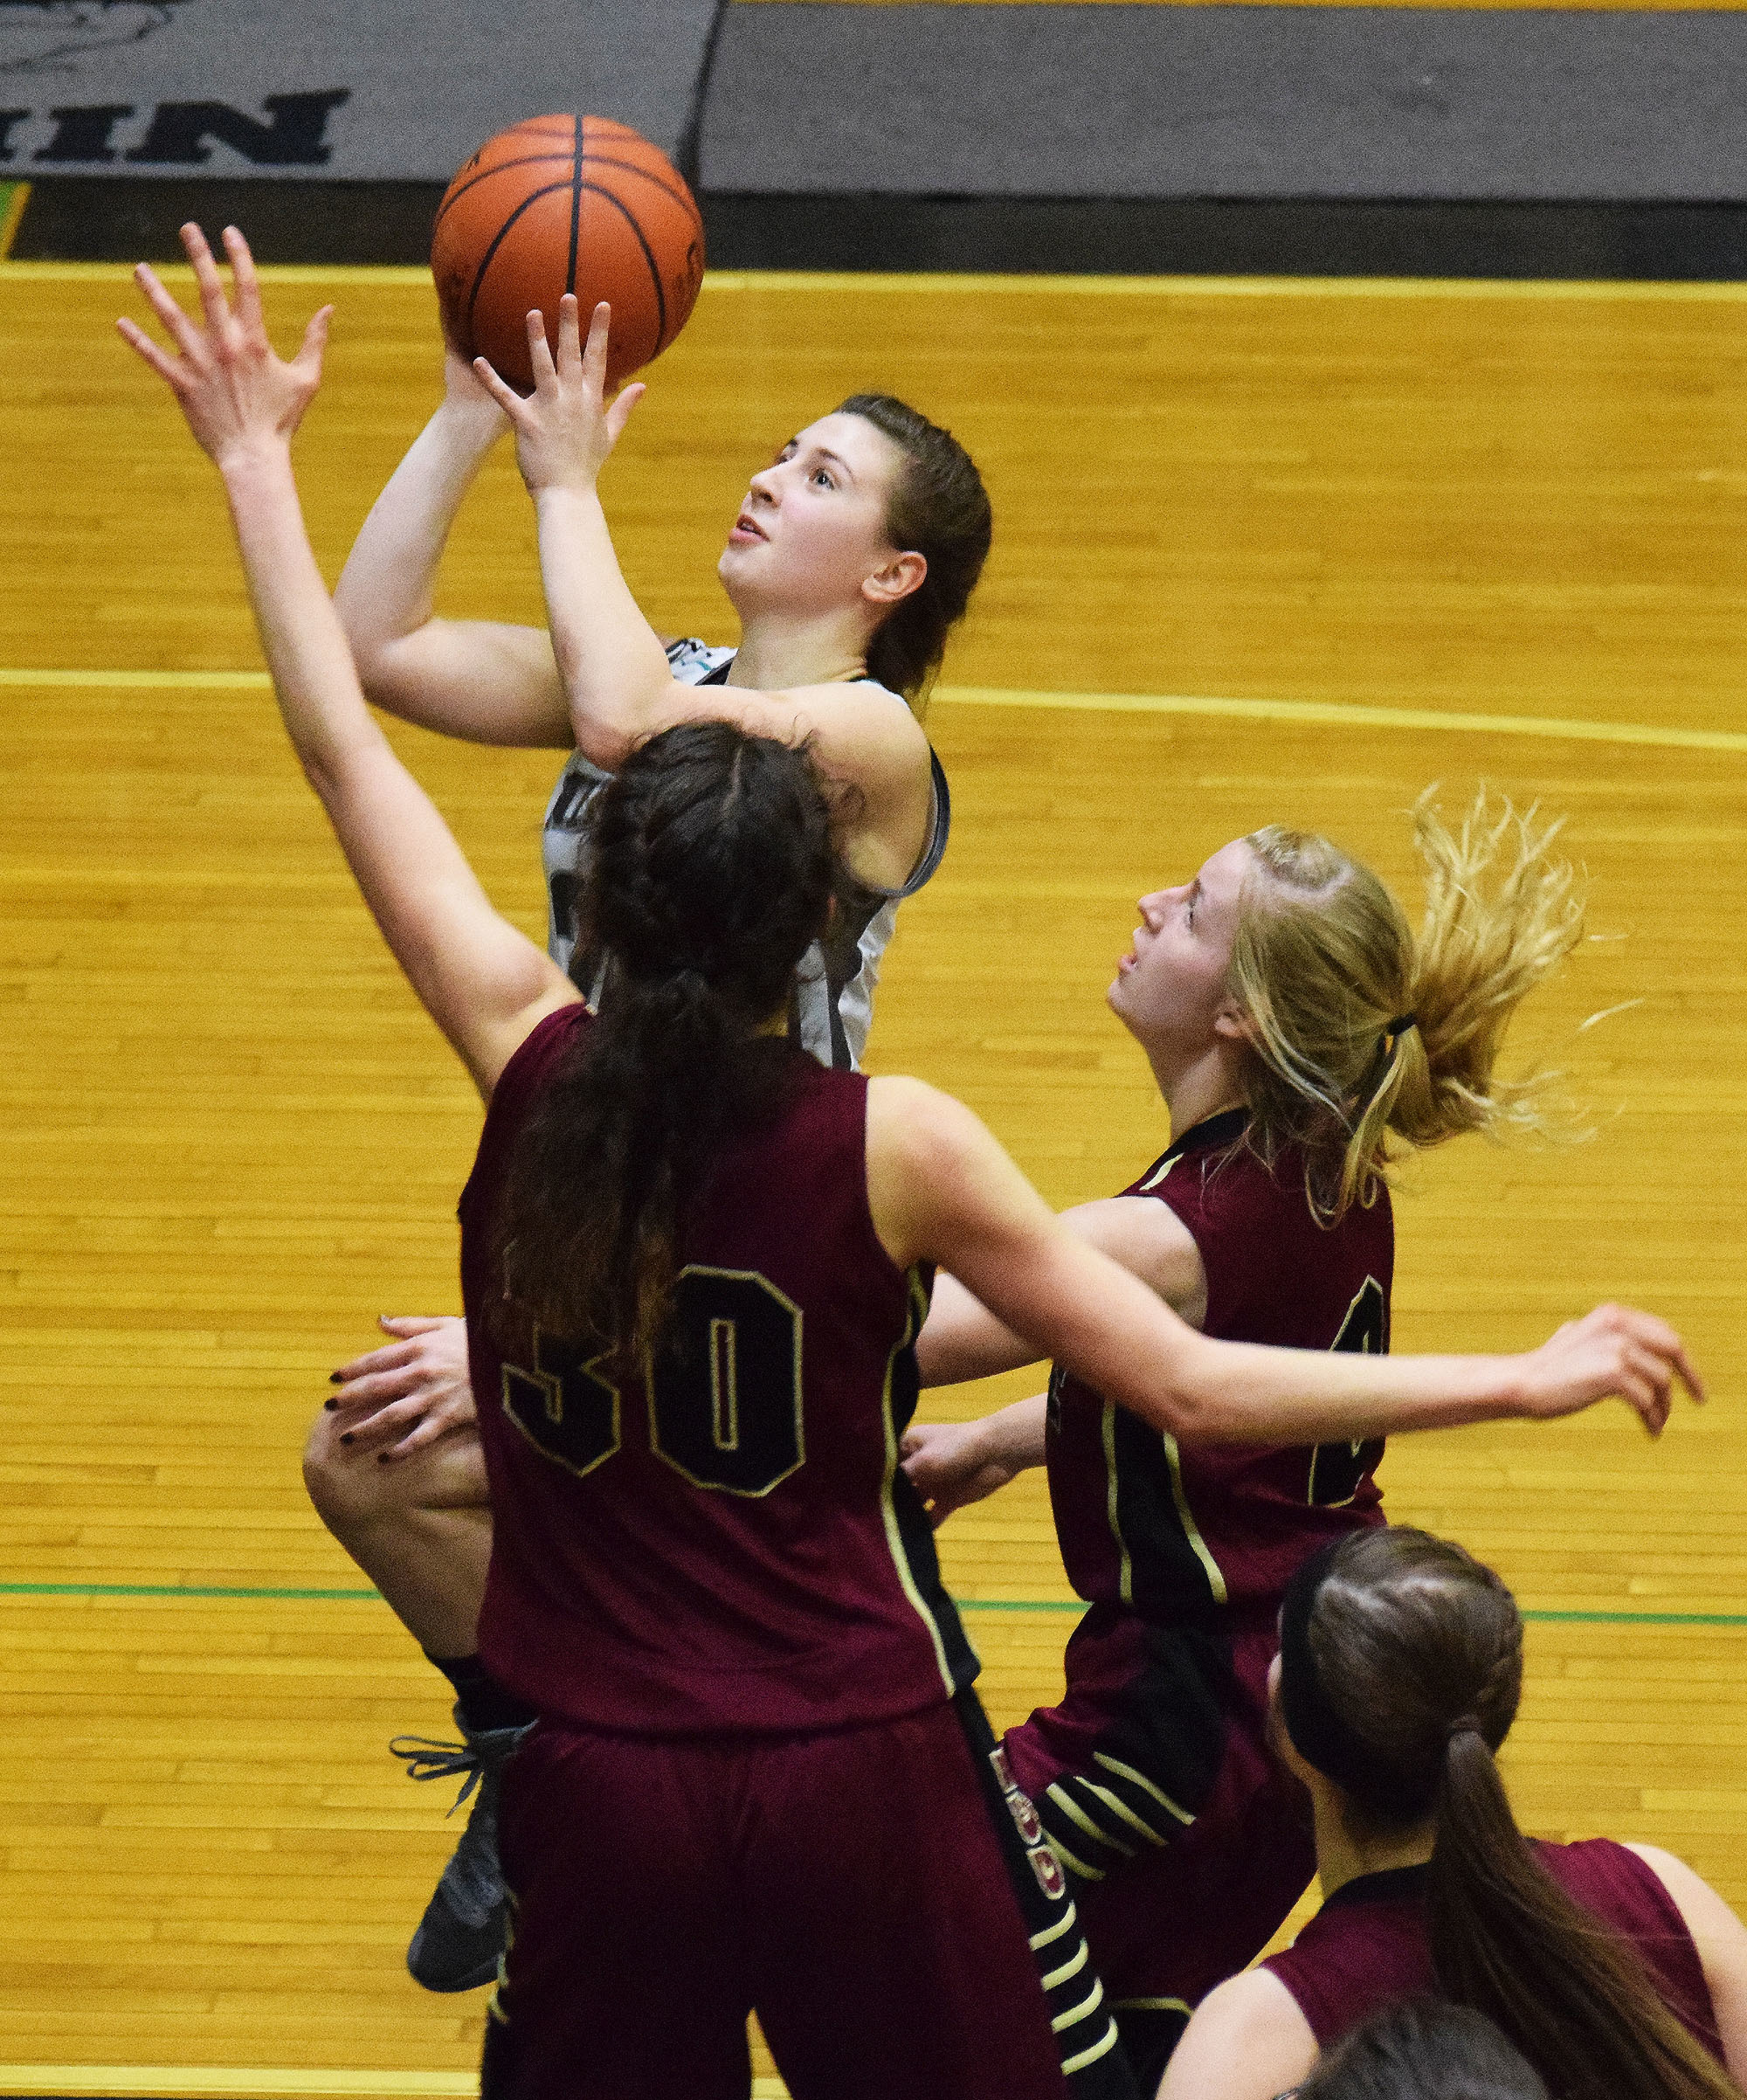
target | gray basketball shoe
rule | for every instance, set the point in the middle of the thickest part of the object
(462, 1934)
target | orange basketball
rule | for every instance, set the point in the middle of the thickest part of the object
(558, 205)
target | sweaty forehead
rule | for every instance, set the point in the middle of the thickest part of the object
(869, 454)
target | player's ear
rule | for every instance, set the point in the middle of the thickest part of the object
(896, 580)
(1230, 1023)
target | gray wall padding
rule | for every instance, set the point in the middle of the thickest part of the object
(425, 82)
(1230, 102)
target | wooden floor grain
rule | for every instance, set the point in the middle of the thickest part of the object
(232, 1138)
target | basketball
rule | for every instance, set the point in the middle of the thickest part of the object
(566, 203)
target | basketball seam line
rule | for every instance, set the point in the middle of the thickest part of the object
(599, 160)
(576, 150)
(498, 239)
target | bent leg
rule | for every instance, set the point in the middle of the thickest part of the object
(1187, 1843)
(421, 1529)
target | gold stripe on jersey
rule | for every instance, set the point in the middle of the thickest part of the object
(1152, 2005)
(1074, 1864)
(1125, 1586)
(1067, 1969)
(1121, 1807)
(1191, 1530)
(1070, 2064)
(1041, 1940)
(1076, 1814)
(1084, 2010)
(1128, 1772)
(894, 1537)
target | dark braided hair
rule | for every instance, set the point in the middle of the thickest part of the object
(713, 872)
(939, 509)
(1417, 1658)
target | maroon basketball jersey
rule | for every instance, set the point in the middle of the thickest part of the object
(729, 1544)
(1174, 1533)
(1367, 1947)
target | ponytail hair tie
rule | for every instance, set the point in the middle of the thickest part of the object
(1401, 1024)
(1466, 1724)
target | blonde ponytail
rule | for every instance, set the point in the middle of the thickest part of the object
(1358, 1032)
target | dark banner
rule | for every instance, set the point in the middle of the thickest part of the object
(387, 90)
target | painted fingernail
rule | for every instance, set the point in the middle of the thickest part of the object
(346, 1437)
(381, 1458)
(330, 1405)
(335, 1378)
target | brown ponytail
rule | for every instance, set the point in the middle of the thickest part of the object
(1416, 1654)
(939, 509)
(713, 872)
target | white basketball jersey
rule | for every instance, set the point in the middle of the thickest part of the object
(832, 1004)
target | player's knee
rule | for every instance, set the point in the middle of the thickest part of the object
(347, 1490)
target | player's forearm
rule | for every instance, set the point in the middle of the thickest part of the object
(962, 1339)
(1232, 1392)
(614, 669)
(314, 676)
(1014, 1436)
(387, 589)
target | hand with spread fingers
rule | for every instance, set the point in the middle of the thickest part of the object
(239, 396)
(1613, 1352)
(398, 1399)
(566, 429)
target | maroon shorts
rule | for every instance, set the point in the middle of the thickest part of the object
(847, 1886)
(1165, 1921)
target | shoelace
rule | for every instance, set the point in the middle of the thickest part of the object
(427, 1759)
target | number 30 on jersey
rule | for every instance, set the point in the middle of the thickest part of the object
(724, 1396)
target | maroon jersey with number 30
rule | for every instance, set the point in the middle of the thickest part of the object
(1174, 1533)
(727, 1544)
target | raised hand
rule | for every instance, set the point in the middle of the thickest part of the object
(1613, 1352)
(237, 394)
(395, 1399)
(565, 430)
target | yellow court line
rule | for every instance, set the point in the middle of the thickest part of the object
(221, 681)
(1327, 714)
(1341, 715)
(840, 284)
(181, 2082)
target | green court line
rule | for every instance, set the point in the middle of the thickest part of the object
(165, 1589)
(979, 1604)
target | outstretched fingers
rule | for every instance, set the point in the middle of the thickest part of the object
(620, 414)
(594, 355)
(540, 352)
(514, 405)
(247, 284)
(180, 329)
(169, 369)
(220, 321)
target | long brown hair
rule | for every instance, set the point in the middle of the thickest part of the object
(1416, 1651)
(1362, 1034)
(939, 509)
(712, 873)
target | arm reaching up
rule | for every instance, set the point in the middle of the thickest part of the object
(612, 663)
(486, 681)
(482, 981)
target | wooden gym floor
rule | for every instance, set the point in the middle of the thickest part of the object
(1367, 534)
